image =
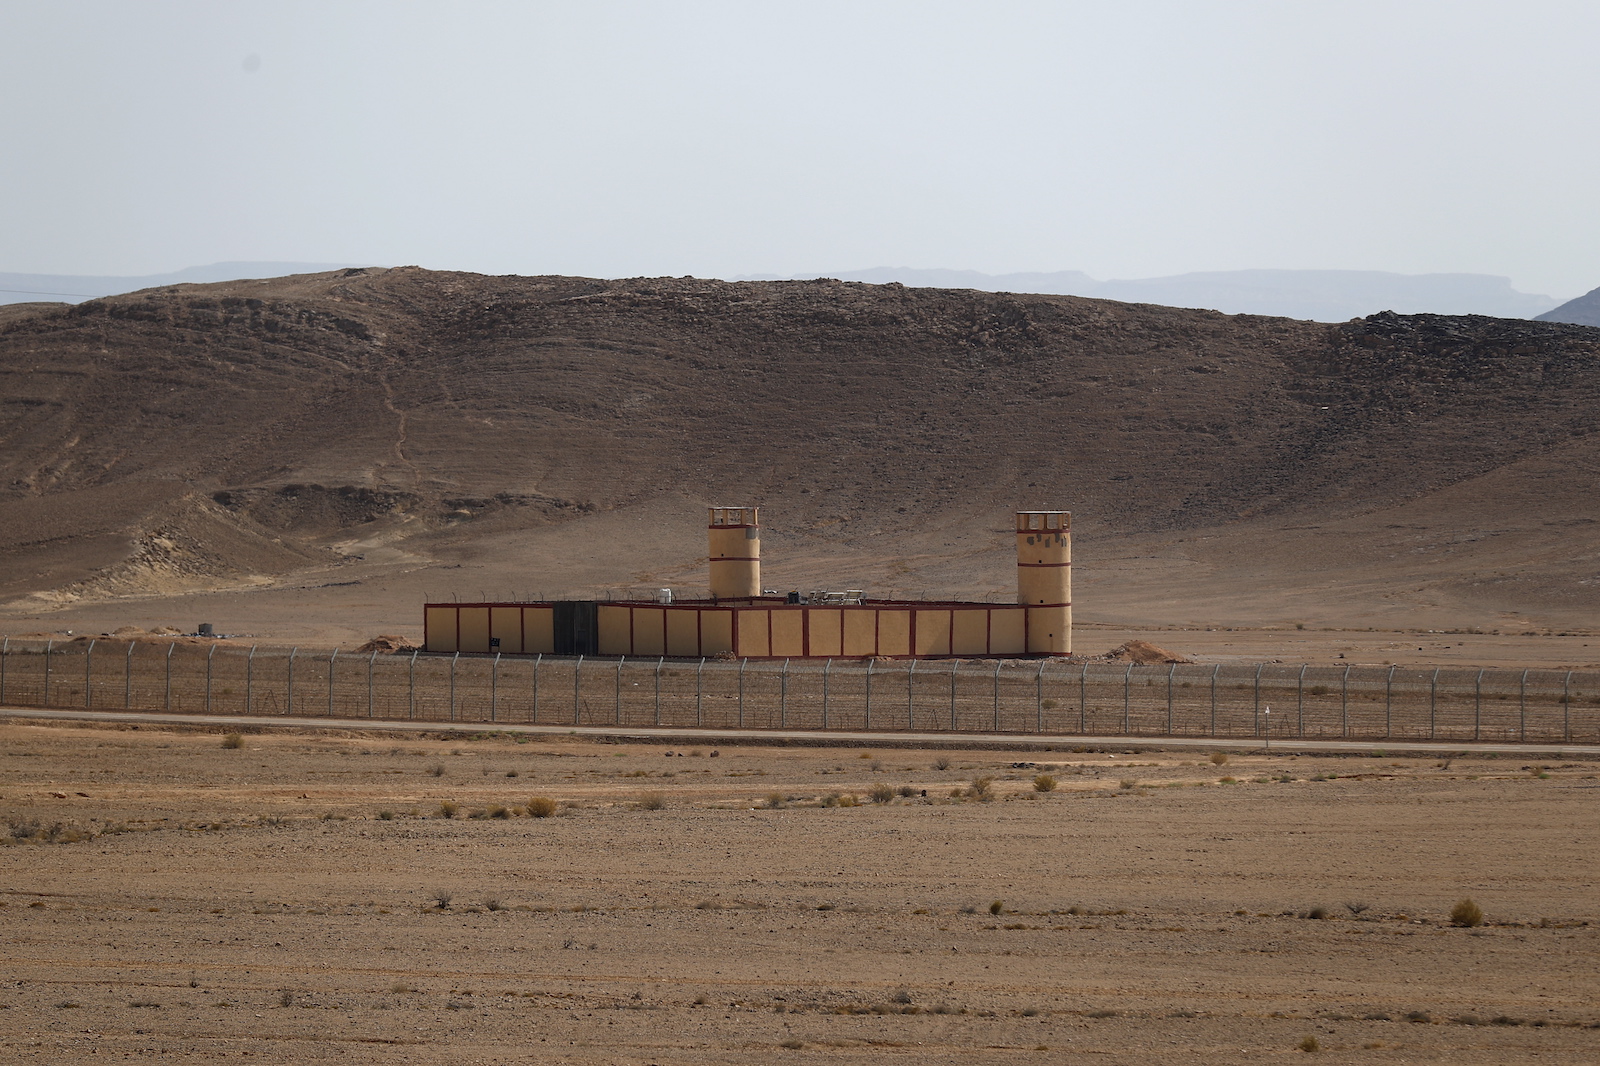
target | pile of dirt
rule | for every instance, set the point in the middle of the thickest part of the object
(1144, 653)
(388, 645)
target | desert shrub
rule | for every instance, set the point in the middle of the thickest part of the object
(448, 809)
(942, 763)
(387, 816)
(1466, 914)
(1309, 1043)
(1048, 705)
(906, 791)
(865, 755)
(436, 769)
(881, 793)
(1219, 758)
(441, 897)
(652, 801)
(1356, 906)
(1044, 783)
(1319, 690)
(541, 807)
(498, 811)
(1316, 913)
(982, 788)
(831, 800)
(493, 903)
(849, 799)
(232, 740)
(774, 801)
(997, 907)
(1127, 783)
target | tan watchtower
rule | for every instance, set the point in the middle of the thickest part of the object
(1044, 579)
(735, 539)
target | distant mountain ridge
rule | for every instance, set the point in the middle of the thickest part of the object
(1314, 295)
(73, 288)
(1584, 311)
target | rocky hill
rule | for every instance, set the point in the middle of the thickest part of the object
(1583, 311)
(357, 439)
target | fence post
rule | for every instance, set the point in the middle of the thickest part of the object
(209, 654)
(1388, 703)
(1127, 692)
(1083, 699)
(5, 651)
(537, 661)
(170, 649)
(911, 696)
(826, 668)
(869, 694)
(289, 702)
(1257, 730)
(1300, 702)
(1171, 669)
(411, 685)
(331, 660)
(997, 695)
(1344, 703)
(1038, 697)
(453, 659)
(1566, 709)
(783, 696)
(616, 708)
(370, 664)
(249, 676)
(88, 677)
(659, 665)
(494, 688)
(577, 685)
(1477, 705)
(698, 705)
(742, 663)
(956, 666)
(1522, 708)
(1215, 670)
(1433, 692)
(127, 679)
(47, 646)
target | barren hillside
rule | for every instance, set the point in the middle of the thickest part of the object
(326, 449)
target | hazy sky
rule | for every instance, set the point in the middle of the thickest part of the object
(1121, 138)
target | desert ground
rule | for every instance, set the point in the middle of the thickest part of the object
(303, 897)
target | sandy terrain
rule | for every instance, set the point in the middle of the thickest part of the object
(256, 904)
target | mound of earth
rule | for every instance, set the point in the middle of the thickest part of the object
(1144, 653)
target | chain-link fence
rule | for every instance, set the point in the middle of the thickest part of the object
(950, 695)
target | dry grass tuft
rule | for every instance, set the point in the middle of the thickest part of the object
(653, 801)
(232, 741)
(881, 793)
(541, 807)
(1219, 758)
(1044, 783)
(1466, 914)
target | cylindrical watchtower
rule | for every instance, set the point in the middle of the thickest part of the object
(1044, 579)
(735, 538)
